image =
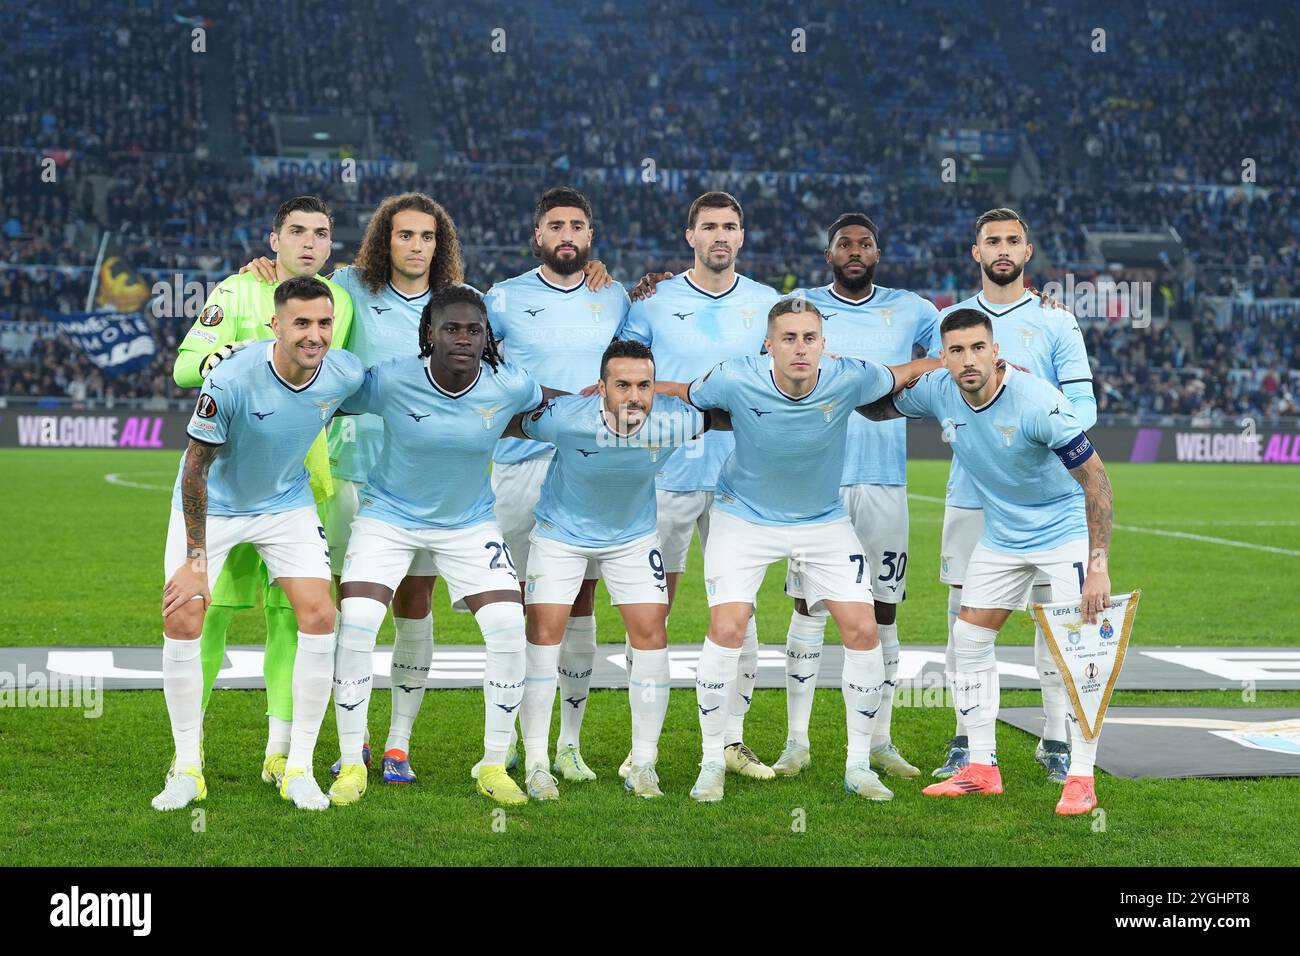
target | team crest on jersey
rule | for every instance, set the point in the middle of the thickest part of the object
(1027, 335)
(888, 315)
(827, 410)
(211, 316)
(489, 414)
(207, 407)
(1008, 432)
(596, 309)
(326, 409)
(1106, 631)
(747, 315)
(654, 450)
(949, 430)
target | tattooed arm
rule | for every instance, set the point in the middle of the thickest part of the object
(191, 580)
(1099, 505)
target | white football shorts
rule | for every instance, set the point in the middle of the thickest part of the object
(633, 572)
(291, 543)
(680, 513)
(827, 561)
(879, 516)
(1000, 579)
(471, 560)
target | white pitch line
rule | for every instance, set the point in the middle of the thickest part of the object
(1161, 532)
(116, 479)
(1209, 540)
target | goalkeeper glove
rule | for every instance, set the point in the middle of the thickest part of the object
(219, 356)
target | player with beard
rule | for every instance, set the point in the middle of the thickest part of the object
(553, 325)
(881, 325)
(691, 322)
(1047, 342)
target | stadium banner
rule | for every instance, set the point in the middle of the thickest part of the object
(1233, 311)
(65, 428)
(332, 169)
(1089, 656)
(1252, 445)
(117, 343)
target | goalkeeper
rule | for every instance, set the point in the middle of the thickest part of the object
(238, 312)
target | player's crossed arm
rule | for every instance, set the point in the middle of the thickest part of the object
(905, 376)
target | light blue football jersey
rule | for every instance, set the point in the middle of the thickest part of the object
(789, 453)
(264, 426)
(689, 331)
(600, 487)
(883, 327)
(1045, 341)
(1012, 450)
(385, 325)
(434, 463)
(557, 335)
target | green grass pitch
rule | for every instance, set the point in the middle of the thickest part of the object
(83, 566)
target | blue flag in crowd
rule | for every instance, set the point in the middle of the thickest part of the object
(116, 342)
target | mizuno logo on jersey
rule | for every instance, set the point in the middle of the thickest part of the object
(966, 710)
(351, 707)
(509, 709)
(533, 312)
(380, 310)
(757, 412)
(418, 417)
(869, 714)
(586, 454)
(406, 688)
(1054, 411)
(575, 701)
(682, 315)
(803, 678)
(705, 711)
(262, 416)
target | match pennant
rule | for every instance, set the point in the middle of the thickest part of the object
(1089, 656)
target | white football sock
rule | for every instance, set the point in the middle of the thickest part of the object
(648, 696)
(502, 624)
(539, 697)
(890, 650)
(742, 691)
(863, 679)
(359, 622)
(1083, 753)
(976, 689)
(1056, 702)
(409, 674)
(278, 732)
(313, 671)
(577, 653)
(950, 652)
(803, 661)
(713, 677)
(183, 690)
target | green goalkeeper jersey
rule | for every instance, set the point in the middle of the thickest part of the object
(239, 309)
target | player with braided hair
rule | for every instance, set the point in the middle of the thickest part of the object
(442, 415)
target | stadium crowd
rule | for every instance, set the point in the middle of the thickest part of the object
(713, 94)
